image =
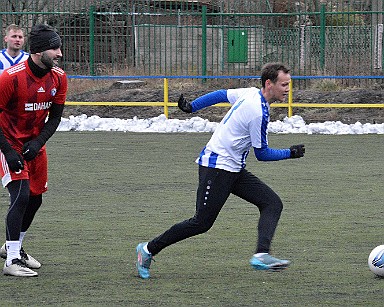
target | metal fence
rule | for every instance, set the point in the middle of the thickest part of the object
(166, 103)
(190, 37)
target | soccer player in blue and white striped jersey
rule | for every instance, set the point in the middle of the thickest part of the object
(222, 167)
(13, 54)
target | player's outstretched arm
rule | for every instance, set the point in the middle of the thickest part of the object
(203, 101)
(272, 154)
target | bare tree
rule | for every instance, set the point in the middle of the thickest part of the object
(27, 6)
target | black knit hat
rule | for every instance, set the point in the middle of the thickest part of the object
(43, 37)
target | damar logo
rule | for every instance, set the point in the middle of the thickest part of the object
(38, 106)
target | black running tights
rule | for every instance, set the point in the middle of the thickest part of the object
(22, 209)
(215, 186)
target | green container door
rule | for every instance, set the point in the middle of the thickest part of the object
(237, 46)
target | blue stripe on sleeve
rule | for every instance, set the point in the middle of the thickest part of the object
(209, 99)
(271, 154)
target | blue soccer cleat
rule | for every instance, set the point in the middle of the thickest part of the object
(143, 261)
(267, 262)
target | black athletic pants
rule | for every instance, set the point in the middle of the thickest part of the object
(215, 186)
(22, 209)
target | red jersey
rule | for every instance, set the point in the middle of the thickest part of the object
(25, 101)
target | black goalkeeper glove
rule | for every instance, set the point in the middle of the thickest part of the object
(14, 160)
(297, 151)
(184, 105)
(31, 149)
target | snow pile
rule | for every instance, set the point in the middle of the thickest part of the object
(294, 124)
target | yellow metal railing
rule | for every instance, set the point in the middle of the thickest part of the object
(166, 104)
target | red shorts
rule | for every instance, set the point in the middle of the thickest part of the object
(36, 171)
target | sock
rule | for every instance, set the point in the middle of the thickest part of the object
(260, 254)
(145, 248)
(21, 238)
(13, 251)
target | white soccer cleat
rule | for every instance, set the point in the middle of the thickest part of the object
(3, 252)
(18, 268)
(30, 262)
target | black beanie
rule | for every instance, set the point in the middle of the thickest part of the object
(43, 37)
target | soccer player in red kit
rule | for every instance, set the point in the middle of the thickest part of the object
(32, 97)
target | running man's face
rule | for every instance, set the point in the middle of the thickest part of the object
(50, 58)
(280, 89)
(14, 40)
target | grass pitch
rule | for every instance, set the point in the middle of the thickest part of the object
(108, 191)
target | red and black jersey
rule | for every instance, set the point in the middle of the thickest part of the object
(25, 101)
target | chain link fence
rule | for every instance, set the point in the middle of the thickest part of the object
(212, 38)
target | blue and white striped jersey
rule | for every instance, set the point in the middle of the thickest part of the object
(7, 61)
(244, 126)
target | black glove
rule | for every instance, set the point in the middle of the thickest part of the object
(184, 105)
(297, 151)
(31, 149)
(14, 160)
